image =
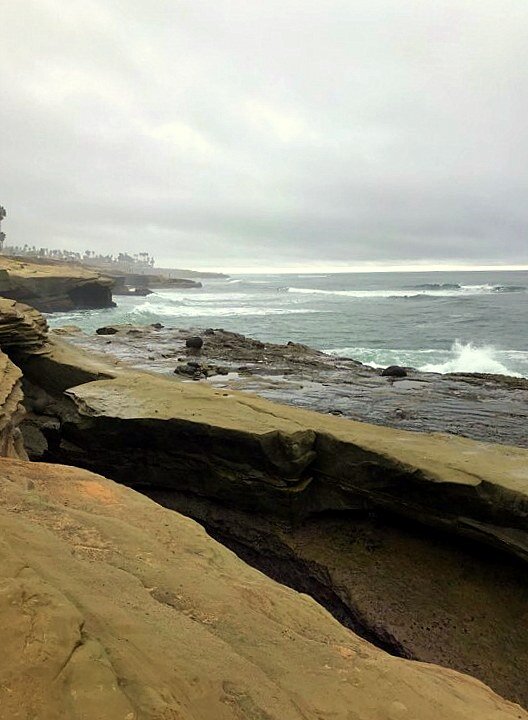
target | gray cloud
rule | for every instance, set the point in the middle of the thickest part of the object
(245, 133)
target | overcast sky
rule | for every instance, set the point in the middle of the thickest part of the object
(267, 133)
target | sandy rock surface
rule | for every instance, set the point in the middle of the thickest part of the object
(491, 408)
(54, 287)
(115, 609)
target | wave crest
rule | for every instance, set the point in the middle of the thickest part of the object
(418, 291)
(461, 358)
(470, 358)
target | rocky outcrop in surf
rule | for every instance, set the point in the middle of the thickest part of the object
(481, 406)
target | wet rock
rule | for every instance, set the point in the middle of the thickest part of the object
(195, 342)
(209, 331)
(107, 330)
(394, 371)
(157, 326)
(67, 330)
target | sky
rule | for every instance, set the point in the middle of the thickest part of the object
(268, 134)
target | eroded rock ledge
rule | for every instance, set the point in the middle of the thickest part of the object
(491, 408)
(54, 287)
(264, 477)
(418, 542)
(116, 609)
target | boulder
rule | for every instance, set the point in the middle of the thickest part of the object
(394, 371)
(107, 330)
(195, 343)
(115, 608)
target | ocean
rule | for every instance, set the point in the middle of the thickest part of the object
(438, 322)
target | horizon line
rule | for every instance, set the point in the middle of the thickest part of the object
(336, 269)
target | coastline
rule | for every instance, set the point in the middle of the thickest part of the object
(480, 406)
(370, 521)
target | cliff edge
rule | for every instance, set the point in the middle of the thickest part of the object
(116, 609)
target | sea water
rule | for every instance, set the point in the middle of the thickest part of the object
(439, 322)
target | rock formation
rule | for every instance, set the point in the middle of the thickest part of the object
(417, 542)
(440, 516)
(22, 328)
(11, 409)
(492, 408)
(54, 287)
(23, 331)
(116, 609)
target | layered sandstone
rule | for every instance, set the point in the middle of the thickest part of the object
(259, 455)
(54, 287)
(22, 328)
(416, 541)
(11, 409)
(116, 609)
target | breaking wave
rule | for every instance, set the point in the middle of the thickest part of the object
(461, 358)
(174, 310)
(470, 358)
(428, 290)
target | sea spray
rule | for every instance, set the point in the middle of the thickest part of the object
(470, 358)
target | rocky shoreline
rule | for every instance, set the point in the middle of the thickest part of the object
(416, 542)
(491, 408)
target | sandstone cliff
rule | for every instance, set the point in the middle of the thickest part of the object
(54, 287)
(116, 609)
(416, 541)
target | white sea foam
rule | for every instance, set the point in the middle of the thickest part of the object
(470, 358)
(202, 310)
(462, 291)
(462, 357)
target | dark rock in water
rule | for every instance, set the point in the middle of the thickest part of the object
(142, 291)
(107, 330)
(394, 371)
(209, 331)
(193, 364)
(157, 326)
(509, 288)
(194, 342)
